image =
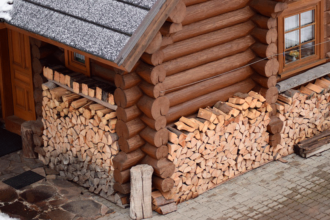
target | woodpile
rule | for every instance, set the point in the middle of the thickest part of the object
(220, 143)
(305, 112)
(79, 139)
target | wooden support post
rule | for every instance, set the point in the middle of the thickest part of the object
(140, 200)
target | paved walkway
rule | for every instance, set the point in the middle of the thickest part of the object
(299, 189)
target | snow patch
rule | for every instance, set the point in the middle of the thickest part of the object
(4, 216)
(5, 7)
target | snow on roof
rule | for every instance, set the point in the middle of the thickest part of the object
(100, 27)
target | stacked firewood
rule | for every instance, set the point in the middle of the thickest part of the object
(92, 87)
(79, 139)
(222, 142)
(305, 113)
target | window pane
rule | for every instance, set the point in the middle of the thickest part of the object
(291, 39)
(307, 17)
(292, 55)
(307, 34)
(291, 22)
(307, 49)
(80, 58)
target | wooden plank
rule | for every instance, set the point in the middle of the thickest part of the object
(105, 104)
(303, 78)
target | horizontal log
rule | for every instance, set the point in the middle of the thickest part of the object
(123, 161)
(270, 94)
(266, 67)
(192, 106)
(42, 52)
(275, 125)
(266, 82)
(208, 86)
(155, 124)
(268, 7)
(127, 81)
(103, 71)
(213, 24)
(178, 13)
(128, 97)
(205, 41)
(128, 114)
(155, 152)
(153, 59)
(203, 72)
(208, 55)
(170, 28)
(150, 74)
(264, 22)
(154, 108)
(274, 139)
(154, 44)
(131, 144)
(129, 129)
(193, 2)
(209, 9)
(155, 138)
(265, 36)
(162, 168)
(153, 91)
(265, 50)
(163, 185)
(122, 176)
(122, 188)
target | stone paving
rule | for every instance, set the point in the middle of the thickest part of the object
(298, 189)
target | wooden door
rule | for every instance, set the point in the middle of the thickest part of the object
(21, 75)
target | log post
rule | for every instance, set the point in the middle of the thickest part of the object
(140, 199)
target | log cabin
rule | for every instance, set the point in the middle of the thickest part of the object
(104, 82)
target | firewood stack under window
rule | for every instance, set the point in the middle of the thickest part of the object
(79, 139)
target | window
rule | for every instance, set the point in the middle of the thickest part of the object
(77, 62)
(300, 35)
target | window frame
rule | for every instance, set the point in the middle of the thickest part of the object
(290, 69)
(75, 65)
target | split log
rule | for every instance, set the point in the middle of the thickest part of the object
(153, 137)
(208, 86)
(270, 94)
(154, 108)
(132, 144)
(127, 81)
(128, 97)
(123, 161)
(128, 114)
(192, 106)
(205, 41)
(208, 55)
(155, 152)
(165, 209)
(163, 168)
(210, 9)
(155, 124)
(129, 129)
(140, 198)
(153, 75)
(213, 24)
(203, 72)
(122, 188)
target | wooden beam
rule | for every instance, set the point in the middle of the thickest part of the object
(56, 43)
